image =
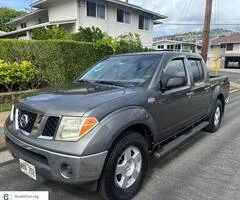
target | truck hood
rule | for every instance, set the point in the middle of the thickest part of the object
(72, 100)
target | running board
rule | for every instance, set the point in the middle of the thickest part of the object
(168, 147)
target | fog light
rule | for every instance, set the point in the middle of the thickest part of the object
(66, 170)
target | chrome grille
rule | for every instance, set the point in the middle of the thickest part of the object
(35, 125)
(25, 120)
(51, 126)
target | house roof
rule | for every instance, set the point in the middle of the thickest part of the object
(233, 38)
(25, 29)
(156, 16)
(2, 32)
(28, 15)
(37, 26)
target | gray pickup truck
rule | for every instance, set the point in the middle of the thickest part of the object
(100, 130)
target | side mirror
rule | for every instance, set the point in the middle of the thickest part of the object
(174, 82)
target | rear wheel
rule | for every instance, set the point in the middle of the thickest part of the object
(215, 119)
(125, 168)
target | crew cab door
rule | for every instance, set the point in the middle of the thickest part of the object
(201, 94)
(173, 107)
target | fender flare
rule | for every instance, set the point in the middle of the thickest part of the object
(113, 125)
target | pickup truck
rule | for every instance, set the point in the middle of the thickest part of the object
(100, 130)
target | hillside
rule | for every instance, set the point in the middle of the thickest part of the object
(195, 36)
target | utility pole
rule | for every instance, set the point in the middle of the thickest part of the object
(206, 31)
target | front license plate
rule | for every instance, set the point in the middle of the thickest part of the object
(28, 169)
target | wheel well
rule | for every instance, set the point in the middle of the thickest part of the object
(143, 130)
(221, 98)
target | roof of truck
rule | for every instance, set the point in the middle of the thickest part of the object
(167, 53)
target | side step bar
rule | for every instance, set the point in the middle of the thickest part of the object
(168, 147)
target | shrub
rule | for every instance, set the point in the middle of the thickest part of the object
(22, 75)
(60, 61)
(52, 32)
(89, 34)
(129, 43)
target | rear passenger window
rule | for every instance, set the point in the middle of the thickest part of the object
(195, 69)
(174, 68)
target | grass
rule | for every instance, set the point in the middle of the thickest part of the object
(4, 107)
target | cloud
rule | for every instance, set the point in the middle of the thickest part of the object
(192, 11)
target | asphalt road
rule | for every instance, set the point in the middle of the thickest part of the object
(205, 167)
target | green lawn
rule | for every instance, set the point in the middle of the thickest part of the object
(5, 107)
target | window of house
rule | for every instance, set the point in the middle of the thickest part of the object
(123, 16)
(229, 47)
(222, 46)
(160, 46)
(24, 25)
(95, 10)
(144, 22)
(178, 46)
(174, 68)
(196, 70)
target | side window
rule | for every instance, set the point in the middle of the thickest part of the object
(196, 70)
(174, 68)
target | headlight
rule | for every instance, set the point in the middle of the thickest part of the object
(73, 128)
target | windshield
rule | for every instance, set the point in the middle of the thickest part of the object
(135, 70)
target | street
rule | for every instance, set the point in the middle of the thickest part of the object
(204, 167)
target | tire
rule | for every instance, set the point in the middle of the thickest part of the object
(215, 124)
(112, 185)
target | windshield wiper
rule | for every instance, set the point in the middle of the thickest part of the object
(115, 83)
(84, 81)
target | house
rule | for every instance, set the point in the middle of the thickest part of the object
(225, 49)
(2, 33)
(179, 46)
(112, 16)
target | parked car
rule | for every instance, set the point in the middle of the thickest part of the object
(100, 130)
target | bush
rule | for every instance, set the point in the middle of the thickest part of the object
(60, 61)
(22, 75)
(89, 34)
(49, 33)
(129, 43)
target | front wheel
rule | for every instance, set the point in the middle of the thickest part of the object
(125, 168)
(215, 119)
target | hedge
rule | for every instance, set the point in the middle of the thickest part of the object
(60, 61)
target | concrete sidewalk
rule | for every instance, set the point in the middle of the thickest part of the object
(3, 117)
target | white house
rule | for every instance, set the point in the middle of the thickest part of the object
(179, 46)
(112, 16)
(225, 49)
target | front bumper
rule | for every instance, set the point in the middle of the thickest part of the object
(50, 164)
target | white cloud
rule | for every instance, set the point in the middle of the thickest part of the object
(192, 11)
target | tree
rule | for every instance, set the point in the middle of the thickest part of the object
(49, 33)
(89, 34)
(128, 43)
(6, 14)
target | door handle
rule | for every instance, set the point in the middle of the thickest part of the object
(190, 94)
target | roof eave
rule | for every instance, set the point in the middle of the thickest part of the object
(38, 4)
(14, 20)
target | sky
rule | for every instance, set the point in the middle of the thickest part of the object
(178, 11)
